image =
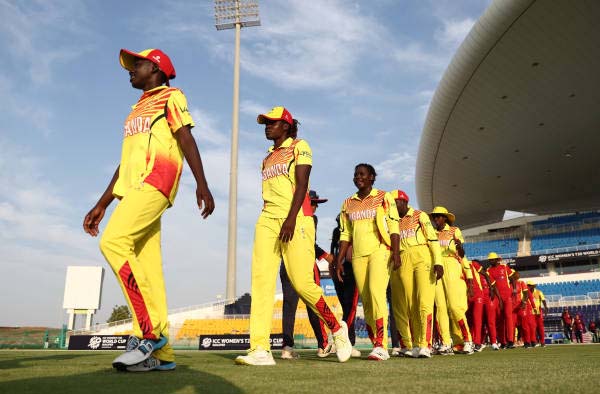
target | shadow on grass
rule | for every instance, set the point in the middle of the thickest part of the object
(107, 380)
(304, 355)
(20, 362)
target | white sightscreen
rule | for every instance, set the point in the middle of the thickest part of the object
(83, 287)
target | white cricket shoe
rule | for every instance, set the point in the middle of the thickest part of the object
(379, 354)
(424, 352)
(467, 348)
(258, 356)
(342, 343)
(405, 352)
(414, 353)
(446, 350)
(495, 346)
(395, 352)
(355, 353)
(288, 353)
(143, 350)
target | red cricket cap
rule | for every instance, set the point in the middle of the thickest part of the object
(399, 195)
(276, 113)
(156, 56)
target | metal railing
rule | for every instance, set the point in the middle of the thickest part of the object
(558, 300)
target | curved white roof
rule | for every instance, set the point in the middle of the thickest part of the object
(515, 121)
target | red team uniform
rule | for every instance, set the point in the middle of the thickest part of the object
(500, 276)
(525, 319)
(476, 304)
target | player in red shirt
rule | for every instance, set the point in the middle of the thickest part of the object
(541, 309)
(525, 316)
(475, 311)
(567, 323)
(482, 304)
(579, 328)
(502, 279)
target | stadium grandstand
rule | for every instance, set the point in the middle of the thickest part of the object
(512, 126)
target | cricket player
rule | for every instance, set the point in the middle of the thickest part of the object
(503, 279)
(421, 266)
(525, 318)
(540, 301)
(476, 302)
(371, 248)
(156, 138)
(285, 229)
(456, 282)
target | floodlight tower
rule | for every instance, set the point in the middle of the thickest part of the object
(234, 14)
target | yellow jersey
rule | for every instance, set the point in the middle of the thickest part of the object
(279, 178)
(538, 297)
(415, 230)
(447, 237)
(358, 223)
(150, 152)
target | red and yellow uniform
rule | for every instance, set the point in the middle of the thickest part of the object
(151, 163)
(370, 255)
(490, 306)
(500, 277)
(278, 185)
(453, 291)
(413, 285)
(524, 306)
(538, 298)
(150, 151)
(476, 303)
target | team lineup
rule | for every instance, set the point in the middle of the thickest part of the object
(383, 250)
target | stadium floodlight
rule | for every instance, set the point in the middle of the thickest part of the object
(234, 14)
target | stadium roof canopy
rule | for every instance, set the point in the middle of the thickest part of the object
(515, 121)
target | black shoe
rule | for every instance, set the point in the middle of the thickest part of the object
(502, 346)
(510, 345)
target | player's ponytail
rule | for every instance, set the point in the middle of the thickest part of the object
(294, 128)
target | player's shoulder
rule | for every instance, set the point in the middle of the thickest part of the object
(423, 216)
(300, 143)
(302, 148)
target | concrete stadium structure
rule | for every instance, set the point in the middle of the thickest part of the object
(514, 123)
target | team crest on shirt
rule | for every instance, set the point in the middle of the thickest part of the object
(139, 124)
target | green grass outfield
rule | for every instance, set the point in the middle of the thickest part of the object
(554, 369)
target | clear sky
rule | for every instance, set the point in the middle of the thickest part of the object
(358, 75)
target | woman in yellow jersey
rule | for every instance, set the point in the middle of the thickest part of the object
(285, 229)
(371, 243)
(413, 285)
(156, 138)
(451, 292)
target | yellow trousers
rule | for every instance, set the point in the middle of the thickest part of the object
(299, 259)
(131, 245)
(401, 281)
(372, 275)
(441, 313)
(455, 290)
(420, 289)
